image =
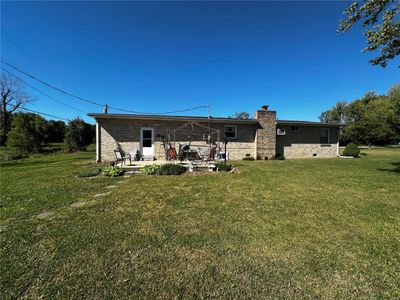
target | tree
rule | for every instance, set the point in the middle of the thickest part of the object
(373, 119)
(54, 131)
(240, 115)
(78, 135)
(27, 132)
(382, 27)
(13, 96)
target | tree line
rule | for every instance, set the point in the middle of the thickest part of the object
(29, 132)
(372, 120)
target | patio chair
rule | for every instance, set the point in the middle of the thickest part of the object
(121, 157)
(135, 154)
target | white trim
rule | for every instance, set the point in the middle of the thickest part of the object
(152, 140)
(97, 142)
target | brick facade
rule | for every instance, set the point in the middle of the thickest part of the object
(125, 134)
(266, 134)
(257, 137)
(305, 142)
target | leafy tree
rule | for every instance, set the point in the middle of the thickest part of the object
(54, 131)
(26, 134)
(382, 27)
(373, 119)
(78, 135)
(12, 97)
(240, 115)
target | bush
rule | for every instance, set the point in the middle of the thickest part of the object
(170, 169)
(91, 173)
(351, 150)
(13, 155)
(150, 169)
(280, 157)
(248, 158)
(223, 167)
(112, 171)
(78, 135)
(26, 135)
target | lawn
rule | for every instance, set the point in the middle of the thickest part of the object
(320, 228)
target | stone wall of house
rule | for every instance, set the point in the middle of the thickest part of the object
(124, 134)
(305, 142)
(265, 145)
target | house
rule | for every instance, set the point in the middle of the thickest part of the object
(263, 137)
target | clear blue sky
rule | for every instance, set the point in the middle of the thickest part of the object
(163, 56)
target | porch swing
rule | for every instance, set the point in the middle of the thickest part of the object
(194, 141)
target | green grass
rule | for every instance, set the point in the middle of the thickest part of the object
(320, 228)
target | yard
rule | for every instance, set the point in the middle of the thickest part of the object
(297, 228)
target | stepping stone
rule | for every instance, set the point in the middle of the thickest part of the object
(127, 176)
(44, 215)
(103, 194)
(122, 181)
(78, 204)
(110, 186)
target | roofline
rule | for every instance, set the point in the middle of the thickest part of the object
(309, 123)
(98, 116)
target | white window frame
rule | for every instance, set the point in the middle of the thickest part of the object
(233, 126)
(329, 135)
(280, 131)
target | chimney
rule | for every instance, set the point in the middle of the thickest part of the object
(265, 139)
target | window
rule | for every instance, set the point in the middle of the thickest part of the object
(280, 131)
(231, 131)
(295, 128)
(324, 136)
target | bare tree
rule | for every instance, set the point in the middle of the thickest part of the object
(243, 115)
(12, 96)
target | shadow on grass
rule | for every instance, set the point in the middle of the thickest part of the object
(396, 168)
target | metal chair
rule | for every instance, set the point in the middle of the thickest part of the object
(121, 157)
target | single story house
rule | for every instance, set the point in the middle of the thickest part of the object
(263, 137)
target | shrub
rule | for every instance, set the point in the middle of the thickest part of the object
(13, 155)
(351, 150)
(223, 167)
(78, 135)
(248, 158)
(150, 169)
(280, 157)
(91, 173)
(112, 171)
(170, 169)
(26, 135)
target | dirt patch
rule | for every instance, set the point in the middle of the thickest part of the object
(45, 215)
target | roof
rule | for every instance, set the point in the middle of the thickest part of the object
(205, 119)
(308, 123)
(171, 118)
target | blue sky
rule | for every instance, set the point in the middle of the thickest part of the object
(165, 56)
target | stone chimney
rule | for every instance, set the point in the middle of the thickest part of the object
(265, 144)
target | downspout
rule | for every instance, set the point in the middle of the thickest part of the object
(97, 142)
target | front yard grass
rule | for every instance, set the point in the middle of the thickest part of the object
(316, 228)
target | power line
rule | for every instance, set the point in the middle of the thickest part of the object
(36, 89)
(160, 113)
(35, 60)
(49, 85)
(98, 104)
(41, 113)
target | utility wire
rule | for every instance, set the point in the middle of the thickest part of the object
(36, 89)
(160, 113)
(98, 104)
(49, 85)
(41, 113)
(35, 60)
